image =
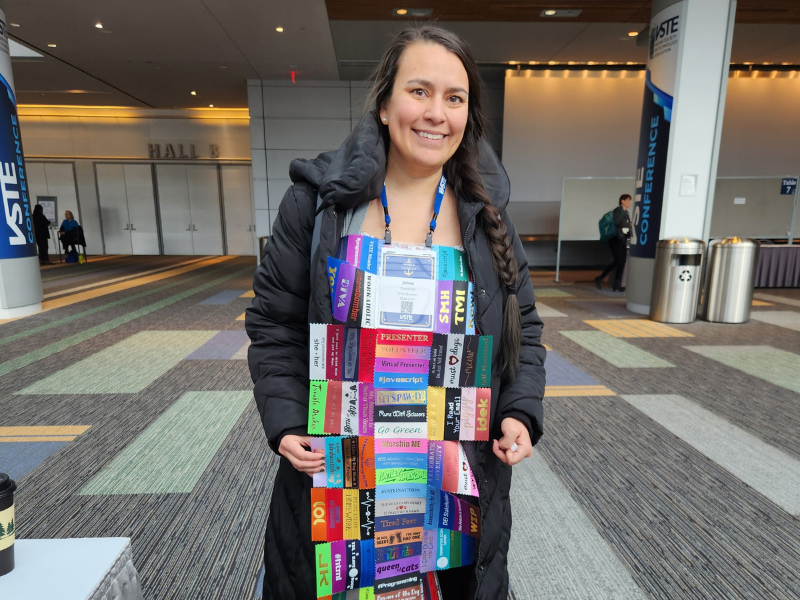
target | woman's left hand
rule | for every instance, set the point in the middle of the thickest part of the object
(514, 434)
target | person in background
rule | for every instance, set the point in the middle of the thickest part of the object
(618, 244)
(69, 233)
(41, 225)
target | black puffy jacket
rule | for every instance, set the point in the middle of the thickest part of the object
(292, 290)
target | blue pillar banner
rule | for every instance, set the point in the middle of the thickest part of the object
(16, 225)
(651, 164)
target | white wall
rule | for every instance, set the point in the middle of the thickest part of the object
(289, 121)
(572, 127)
(84, 135)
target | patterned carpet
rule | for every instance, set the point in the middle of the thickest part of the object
(130, 414)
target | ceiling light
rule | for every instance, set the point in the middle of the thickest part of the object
(611, 62)
(402, 11)
(279, 29)
(223, 67)
(533, 62)
(99, 25)
(552, 62)
(51, 45)
(550, 12)
(561, 13)
(210, 106)
(513, 62)
(591, 62)
(194, 93)
(633, 33)
(14, 24)
(631, 63)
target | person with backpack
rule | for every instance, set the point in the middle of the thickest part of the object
(615, 228)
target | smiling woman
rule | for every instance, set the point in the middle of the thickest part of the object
(417, 169)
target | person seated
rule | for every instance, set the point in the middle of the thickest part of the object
(69, 233)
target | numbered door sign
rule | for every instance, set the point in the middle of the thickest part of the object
(788, 186)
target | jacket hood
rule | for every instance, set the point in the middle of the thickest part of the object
(354, 174)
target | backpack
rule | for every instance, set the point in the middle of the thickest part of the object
(607, 228)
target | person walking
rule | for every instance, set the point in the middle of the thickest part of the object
(618, 244)
(41, 228)
(423, 138)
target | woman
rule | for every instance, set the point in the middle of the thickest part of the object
(69, 233)
(41, 225)
(424, 119)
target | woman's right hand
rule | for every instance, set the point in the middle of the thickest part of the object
(294, 448)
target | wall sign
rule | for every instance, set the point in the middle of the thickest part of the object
(651, 165)
(789, 186)
(179, 151)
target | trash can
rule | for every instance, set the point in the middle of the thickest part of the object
(676, 280)
(729, 279)
(262, 245)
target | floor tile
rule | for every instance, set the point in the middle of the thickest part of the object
(615, 351)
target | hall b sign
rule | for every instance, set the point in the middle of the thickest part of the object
(179, 151)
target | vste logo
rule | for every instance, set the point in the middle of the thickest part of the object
(668, 27)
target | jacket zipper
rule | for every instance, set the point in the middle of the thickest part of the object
(479, 575)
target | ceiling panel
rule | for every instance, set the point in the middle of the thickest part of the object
(592, 11)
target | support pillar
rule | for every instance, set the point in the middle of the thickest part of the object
(684, 102)
(20, 279)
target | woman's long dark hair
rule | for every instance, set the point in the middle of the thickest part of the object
(462, 169)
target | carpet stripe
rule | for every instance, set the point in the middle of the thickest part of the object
(615, 351)
(546, 311)
(127, 367)
(563, 391)
(170, 456)
(241, 353)
(551, 293)
(126, 285)
(608, 308)
(561, 372)
(220, 347)
(68, 342)
(555, 550)
(241, 317)
(778, 299)
(224, 297)
(47, 430)
(118, 279)
(763, 467)
(637, 328)
(765, 362)
(782, 318)
(20, 458)
(250, 294)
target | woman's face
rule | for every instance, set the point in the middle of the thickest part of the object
(428, 109)
(68, 215)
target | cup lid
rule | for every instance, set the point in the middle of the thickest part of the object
(7, 485)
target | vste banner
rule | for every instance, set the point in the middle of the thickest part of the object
(651, 165)
(16, 225)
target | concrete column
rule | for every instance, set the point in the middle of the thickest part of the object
(684, 101)
(20, 280)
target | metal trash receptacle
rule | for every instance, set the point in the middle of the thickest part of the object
(676, 280)
(262, 245)
(730, 274)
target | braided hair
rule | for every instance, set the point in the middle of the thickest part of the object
(462, 170)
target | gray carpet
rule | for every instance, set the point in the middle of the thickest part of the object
(613, 506)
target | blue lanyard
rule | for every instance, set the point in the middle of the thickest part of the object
(437, 205)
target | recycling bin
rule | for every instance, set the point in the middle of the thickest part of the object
(676, 280)
(262, 246)
(729, 280)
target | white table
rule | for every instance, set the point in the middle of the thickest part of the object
(72, 569)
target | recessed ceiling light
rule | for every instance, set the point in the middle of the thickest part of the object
(223, 67)
(14, 24)
(194, 93)
(210, 106)
(633, 33)
(402, 11)
(412, 12)
(99, 25)
(279, 29)
(591, 62)
(550, 12)
(51, 45)
(533, 62)
(552, 62)
(611, 62)
(513, 62)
